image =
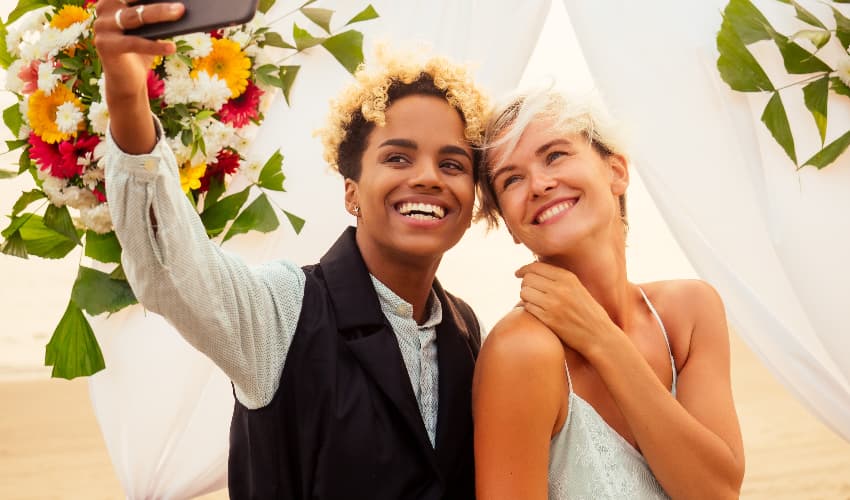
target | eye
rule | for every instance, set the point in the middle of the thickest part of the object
(554, 155)
(509, 180)
(453, 166)
(396, 158)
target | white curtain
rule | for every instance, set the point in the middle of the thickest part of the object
(164, 409)
(773, 240)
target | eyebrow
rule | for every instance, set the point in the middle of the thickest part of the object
(407, 143)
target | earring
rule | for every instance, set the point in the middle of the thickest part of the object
(356, 210)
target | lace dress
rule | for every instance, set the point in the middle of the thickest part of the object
(589, 460)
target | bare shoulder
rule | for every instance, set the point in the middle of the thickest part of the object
(520, 338)
(690, 310)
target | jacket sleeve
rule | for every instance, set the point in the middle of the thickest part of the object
(242, 318)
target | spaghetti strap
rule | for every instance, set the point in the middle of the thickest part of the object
(666, 339)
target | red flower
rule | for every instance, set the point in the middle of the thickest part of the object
(45, 155)
(226, 163)
(89, 2)
(100, 193)
(217, 34)
(240, 110)
(156, 87)
(61, 159)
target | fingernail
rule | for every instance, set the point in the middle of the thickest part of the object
(175, 8)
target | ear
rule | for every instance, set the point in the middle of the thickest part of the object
(352, 198)
(619, 174)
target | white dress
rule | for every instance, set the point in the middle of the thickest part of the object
(589, 460)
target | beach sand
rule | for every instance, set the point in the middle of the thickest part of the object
(51, 447)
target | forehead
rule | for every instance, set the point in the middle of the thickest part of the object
(426, 118)
(539, 132)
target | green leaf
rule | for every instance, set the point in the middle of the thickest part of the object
(271, 177)
(815, 95)
(118, 273)
(287, 76)
(746, 21)
(321, 17)
(103, 247)
(6, 174)
(798, 60)
(13, 145)
(24, 162)
(830, 153)
(16, 224)
(203, 115)
(303, 39)
(225, 210)
(259, 216)
(59, 220)
(364, 15)
(96, 292)
(13, 118)
(23, 7)
(275, 40)
(214, 192)
(296, 222)
(15, 246)
(776, 120)
(842, 27)
(6, 58)
(818, 38)
(265, 5)
(347, 48)
(25, 200)
(43, 241)
(806, 16)
(73, 350)
(737, 66)
(839, 87)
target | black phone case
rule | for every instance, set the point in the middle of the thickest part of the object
(200, 15)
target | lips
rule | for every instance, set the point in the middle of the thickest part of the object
(553, 209)
(421, 211)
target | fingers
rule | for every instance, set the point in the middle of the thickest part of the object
(115, 15)
(546, 270)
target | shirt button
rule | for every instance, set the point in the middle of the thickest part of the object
(401, 310)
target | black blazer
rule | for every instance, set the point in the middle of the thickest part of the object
(344, 422)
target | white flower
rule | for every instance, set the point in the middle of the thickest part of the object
(210, 91)
(25, 29)
(24, 131)
(178, 90)
(175, 67)
(92, 176)
(180, 150)
(68, 117)
(47, 79)
(843, 70)
(79, 198)
(99, 117)
(13, 81)
(217, 136)
(241, 38)
(200, 43)
(97, 218)
(52, 187)
(51, 41)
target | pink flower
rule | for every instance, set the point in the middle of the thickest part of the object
(241, 110)
(29, 76)
(44, 154)
(156, 87)
(60, 160)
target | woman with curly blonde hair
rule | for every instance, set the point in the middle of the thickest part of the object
(351, 376)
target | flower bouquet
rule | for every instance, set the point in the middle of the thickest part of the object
(210, 97)
(815, 59)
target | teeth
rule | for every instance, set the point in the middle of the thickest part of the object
(553, 211)
(422, 211)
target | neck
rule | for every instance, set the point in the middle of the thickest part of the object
(411, 277)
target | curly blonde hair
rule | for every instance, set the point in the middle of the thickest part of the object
(363, 104)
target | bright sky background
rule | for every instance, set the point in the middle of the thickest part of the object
(34, 292)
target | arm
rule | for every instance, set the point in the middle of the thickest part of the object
(241, 318)
(518, 403)
(693, 444)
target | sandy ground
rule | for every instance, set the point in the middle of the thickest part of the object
(51, 447)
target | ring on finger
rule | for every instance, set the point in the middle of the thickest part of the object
(118, 19)
(139, 11)
(124, 2)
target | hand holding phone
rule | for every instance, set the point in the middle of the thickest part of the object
(200, 15)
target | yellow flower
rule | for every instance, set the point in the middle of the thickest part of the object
(228, 62)
(42, 113)
(190, 176)
(69, 15)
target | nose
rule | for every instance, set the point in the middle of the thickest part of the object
(427, 175)
(541, 182)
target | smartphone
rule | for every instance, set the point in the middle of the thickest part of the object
(200, 15)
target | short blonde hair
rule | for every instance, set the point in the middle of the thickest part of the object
(363, 104)
(568, 115)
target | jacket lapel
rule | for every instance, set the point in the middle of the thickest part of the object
(367, 333)
(456, 364)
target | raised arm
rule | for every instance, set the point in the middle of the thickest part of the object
(692, 442)
(519, 402)
(242, 318)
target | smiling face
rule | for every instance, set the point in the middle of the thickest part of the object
(415, 191)
(556, 190)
